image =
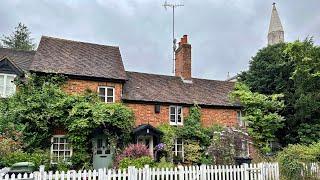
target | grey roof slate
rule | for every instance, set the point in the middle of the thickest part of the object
(171, 89)
(20, 58)
(69, 57)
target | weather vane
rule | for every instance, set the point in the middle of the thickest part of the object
(173, 6)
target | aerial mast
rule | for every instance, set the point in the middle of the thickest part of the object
(173, 6)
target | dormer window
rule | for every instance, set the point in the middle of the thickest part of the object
(106, 94)
(7, 87)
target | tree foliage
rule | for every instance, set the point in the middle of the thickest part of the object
(20, 39)
(261, 112)
(290, 69)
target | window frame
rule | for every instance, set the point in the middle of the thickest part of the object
(175, 148)
(176, 115)
(4, 93)
(64, 150)
(106, 93)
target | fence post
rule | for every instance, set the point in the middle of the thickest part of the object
(41, 172)
(246, 171)
(203, 172)
(146, 172)
(131, 173)
(181, 172)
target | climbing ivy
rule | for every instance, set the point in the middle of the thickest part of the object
(40, 105)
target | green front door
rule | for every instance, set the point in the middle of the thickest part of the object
(102, 152)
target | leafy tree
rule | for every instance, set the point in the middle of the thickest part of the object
(261, 112)
(306, 78)
(290, 69)
(20, 39)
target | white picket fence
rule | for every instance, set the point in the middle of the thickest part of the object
(313, 170)
(261, 171)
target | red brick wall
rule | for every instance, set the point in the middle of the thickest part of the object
(210, 116)
(79, 86)
(144, 113)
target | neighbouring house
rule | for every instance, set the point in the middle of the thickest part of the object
(154, 99)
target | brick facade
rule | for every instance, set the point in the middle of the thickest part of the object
(78, 86)
(145, 113)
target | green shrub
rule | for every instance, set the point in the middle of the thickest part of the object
(205, 159)
(294, 158)
(164, 164)
(138, 163)
(192, 151)
(38, 157)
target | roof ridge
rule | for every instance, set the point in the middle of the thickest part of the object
(150, 73)
(177, 76)
(69, 40)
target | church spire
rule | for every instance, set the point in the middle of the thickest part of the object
(276, 33)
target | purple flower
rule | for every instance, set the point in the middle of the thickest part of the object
(160, 147)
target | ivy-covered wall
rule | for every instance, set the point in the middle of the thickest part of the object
(41, 105)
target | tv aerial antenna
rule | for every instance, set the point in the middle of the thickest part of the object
(167, 5)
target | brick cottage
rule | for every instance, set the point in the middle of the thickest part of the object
(154, 99)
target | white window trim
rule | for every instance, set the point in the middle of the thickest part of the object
(175, 144)
(176, 115)
(4, 85)
(106, 92)
(51, 148)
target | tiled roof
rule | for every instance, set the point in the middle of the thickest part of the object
(22, 59)
(78, 58)
(171, 89)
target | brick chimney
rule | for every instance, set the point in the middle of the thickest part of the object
(183, 59)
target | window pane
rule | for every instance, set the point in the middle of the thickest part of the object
(55, 140)
(10, 90)
(1, 85)
(1, 91)
(61, 153)
(62, 140)
(110, 92)
(172, 110)
(67, 154)
(179, 118)
(179, 148)
(61, 147)
(10, 80)
(102, 98)
(67, 146)
(179, 141)
(172, 118)
(55, 153)
(102, 91)
(55, 146)
(109, 99)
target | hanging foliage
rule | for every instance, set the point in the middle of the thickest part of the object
(41, 105)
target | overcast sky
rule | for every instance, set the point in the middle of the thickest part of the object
(224, 34)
